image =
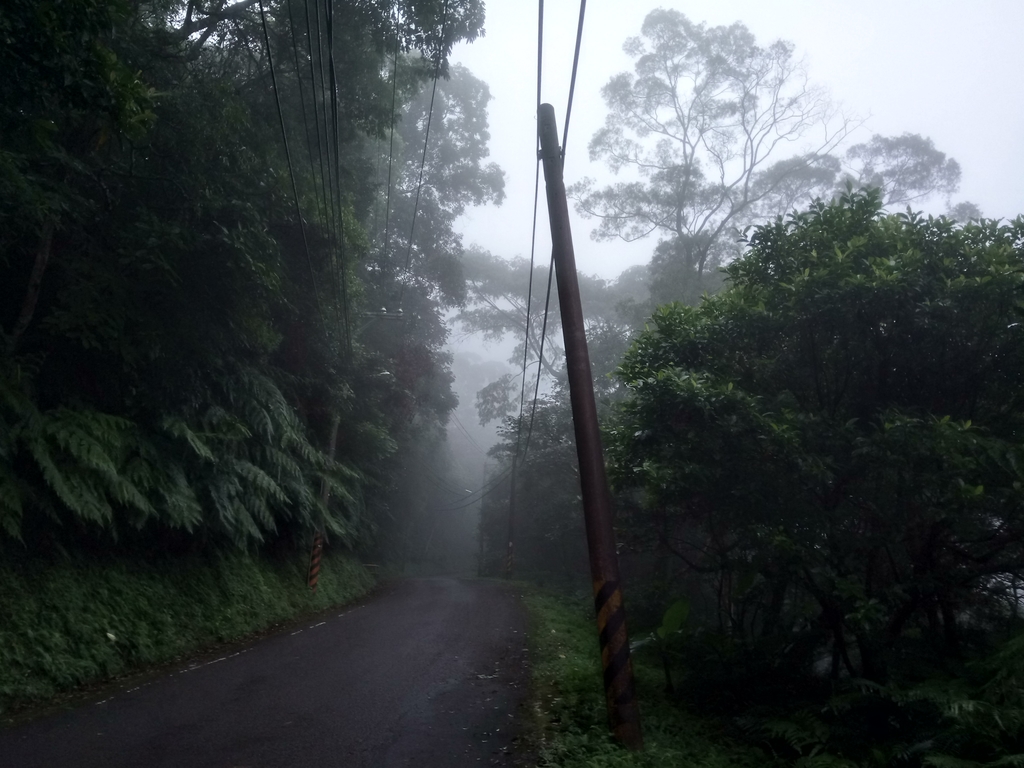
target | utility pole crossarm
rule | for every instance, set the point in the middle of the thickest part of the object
(623, 712)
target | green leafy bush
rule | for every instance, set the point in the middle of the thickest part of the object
(831, 448)
(570, 703)
(71, 621)
(827, 459)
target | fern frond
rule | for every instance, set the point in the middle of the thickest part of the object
(179, 501)
(336, 526)
(341, 491)
(824, 760)
(221, 424)
(177, 427)
(243, 526)
(278, 463)
(259, 421)
(1012, 761)
(11, 508)
(88, 438)
(78, 495)
(260, 480)
(948, 761)
(799, 735)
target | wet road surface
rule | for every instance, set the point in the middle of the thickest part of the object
(432, 672)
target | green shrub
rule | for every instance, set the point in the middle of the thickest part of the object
(569, 700)
(74, 621)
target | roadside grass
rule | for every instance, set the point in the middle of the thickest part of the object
(570, 710)
(66, 623)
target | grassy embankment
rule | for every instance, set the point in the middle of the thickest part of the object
(67, 623)
(569, 703)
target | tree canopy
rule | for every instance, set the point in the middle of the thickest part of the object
(822, 466)
(831, 447)
(498, 305)
(715, 132)
(190, 275)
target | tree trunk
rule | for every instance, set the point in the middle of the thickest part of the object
(332, 445)
(28, 305)
(670, 689)
(871, 666)
(949, 624)
(773, 613)
(840, 651)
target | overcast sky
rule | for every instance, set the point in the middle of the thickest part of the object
(948, 70)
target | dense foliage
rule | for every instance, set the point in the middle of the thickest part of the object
(548, 515)
(499, 304)
(827, 462)
(82, 620)
(568, 702)
(547, 519)
(193, 350)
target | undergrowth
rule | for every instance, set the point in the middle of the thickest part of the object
(973, 720)
(569, 703)
(70, 622)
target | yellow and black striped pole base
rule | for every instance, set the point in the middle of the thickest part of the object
(618, 670)
(314, 561)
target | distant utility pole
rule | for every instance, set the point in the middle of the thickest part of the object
(623, 712)
(510, 554)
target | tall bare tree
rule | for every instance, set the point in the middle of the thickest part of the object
(708, 122)
(714, 132)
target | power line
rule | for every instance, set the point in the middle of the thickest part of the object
(426, 133)
(469, 437)
(551, 267)
(547, 300)
(483, 492)
(329, 215)
(332, 148)
(533, 237)
(382, 49)
(391, 149)
(338, 266)
(472, 497)
(458, 493)
(510, 555)
(540, 356)
(305, 121)
(288, 158)
(572, 80)
(333, 217)
(323, 145)
(529, 308)
(437, 479)
(316, 114)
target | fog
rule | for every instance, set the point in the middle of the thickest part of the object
(940, 70)
(945, 70)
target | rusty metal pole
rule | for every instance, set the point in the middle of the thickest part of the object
(623, 712)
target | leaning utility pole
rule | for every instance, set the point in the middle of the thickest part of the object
(623, 713)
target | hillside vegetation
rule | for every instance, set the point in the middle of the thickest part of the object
(819, 474)
(226, 250)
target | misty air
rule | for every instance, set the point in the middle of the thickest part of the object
(453, 383)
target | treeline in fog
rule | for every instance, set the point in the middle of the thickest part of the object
(811, 405)
(224, 259)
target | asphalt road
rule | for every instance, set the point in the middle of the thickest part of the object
(431, 672)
